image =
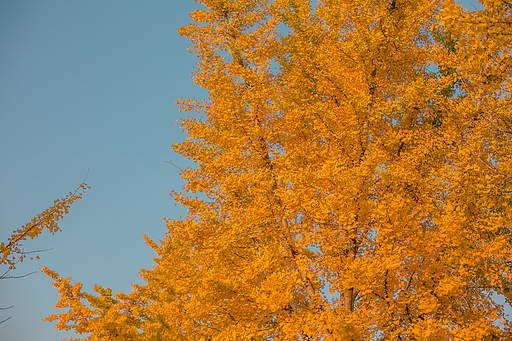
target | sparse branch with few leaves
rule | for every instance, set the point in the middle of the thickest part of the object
(12, 252)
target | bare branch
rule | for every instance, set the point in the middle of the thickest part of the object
(25, 275)
(7, 319)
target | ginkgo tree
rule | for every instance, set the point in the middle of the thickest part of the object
(355, 165)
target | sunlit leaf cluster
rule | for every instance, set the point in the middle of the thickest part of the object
(12, 251)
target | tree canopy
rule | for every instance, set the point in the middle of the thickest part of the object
(353, 180)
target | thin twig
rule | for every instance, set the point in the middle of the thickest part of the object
(175, 165)
(10, 317)
(13, 277)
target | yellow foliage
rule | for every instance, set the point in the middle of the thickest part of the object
(356, 162)
(12, 251)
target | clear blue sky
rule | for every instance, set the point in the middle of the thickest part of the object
(88, 84)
